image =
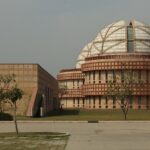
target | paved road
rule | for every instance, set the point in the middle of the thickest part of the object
(94, 136)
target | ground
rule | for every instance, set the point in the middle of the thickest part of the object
(33, 141)
(105, 135)
(94, 115)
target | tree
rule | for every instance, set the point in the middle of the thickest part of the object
(13, 95)
(9, 92)
(121, 93)
(5, 81)
(2, 97)
(62, 91)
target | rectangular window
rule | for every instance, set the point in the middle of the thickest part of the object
(139, 102)
(99, 102)
(83, 101)
(106, 102)
(78, 102)
(99, 76)
(106, 78)
(73, 102)
(114, 103)
(130, 44)
(89, 77)
(89, 102)
(94, 77)
(94, 102)
(78, 84)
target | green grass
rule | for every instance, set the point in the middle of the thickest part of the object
(88, 115)
(34, 141)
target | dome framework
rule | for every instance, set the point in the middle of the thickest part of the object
(118, 37)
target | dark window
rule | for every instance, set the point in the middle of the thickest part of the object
(78, 101)
(83, 101)
(94, 77)
(78, 84)
(139, 102)
(99, 76)
(94, 101)
(106, 102)
(106, 73)
(73, 102)
(89, 77)
(99, 102)
(130, 43)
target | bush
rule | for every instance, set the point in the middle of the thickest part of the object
(5, 117)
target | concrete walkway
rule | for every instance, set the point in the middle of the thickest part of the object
(112, 135)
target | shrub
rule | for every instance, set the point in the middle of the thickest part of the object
(5, 117)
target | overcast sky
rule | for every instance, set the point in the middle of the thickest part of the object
(53, 32)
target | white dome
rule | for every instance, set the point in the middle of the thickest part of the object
(84, 53)
(118, 37)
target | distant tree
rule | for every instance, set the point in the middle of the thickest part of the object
(13, 95)
(121, 93)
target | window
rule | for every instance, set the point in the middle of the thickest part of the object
(73, 102)
(89, 102)
(89, 77)
(139, 102)
(99, 102)
(106, 102)
(78, 102)
(78, 84)
(130, 42)
(94, 102)
(83, 102)
(94, 77)
(106, 77)
(114, 102)
(99, 76)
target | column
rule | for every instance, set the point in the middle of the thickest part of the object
(103, 103)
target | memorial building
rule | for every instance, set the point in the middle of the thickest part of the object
(119, 48)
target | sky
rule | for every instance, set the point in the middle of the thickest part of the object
(53, 32)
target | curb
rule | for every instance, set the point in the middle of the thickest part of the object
(90, 121)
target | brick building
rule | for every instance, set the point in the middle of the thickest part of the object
(40, 88)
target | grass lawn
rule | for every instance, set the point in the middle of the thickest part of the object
(75, 115)
(33, 141)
